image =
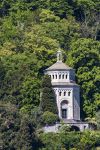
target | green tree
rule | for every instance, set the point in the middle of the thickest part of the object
(19, 69)
(9, 125)
(89, 14)
(48, 98)
(49, 118)
(63, 30)
(2, 71)
(26, 138)
(30, 94)
(17, 131)
(84, 57)
(59, 7)
(70, 140)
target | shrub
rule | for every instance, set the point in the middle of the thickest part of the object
(49, 118)
(65, 128)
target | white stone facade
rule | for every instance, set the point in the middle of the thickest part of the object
(66, 90)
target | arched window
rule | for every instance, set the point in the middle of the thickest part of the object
(63, 76)
(69, 93)
(59, 93)
(66, 76)
(60, 76)
(53, 76)
(64, 93)
(56, 76)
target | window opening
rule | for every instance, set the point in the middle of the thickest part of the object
(69, 93)
(63, 76)
(64, 93)
(60, 76)
(59, 93)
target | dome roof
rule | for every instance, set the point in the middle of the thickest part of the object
(59, 66)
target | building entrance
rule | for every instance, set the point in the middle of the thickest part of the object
(64, 109)
(64, 113)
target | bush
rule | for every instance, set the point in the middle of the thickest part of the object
(49, 118)
(87, 140)
(65, 128)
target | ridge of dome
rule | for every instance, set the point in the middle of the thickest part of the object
(59, 66)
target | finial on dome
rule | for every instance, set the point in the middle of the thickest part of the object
(59, 55)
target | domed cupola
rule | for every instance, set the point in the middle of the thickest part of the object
(60, 72)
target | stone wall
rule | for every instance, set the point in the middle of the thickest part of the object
(55, 128)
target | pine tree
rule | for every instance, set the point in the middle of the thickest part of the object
(48, 98)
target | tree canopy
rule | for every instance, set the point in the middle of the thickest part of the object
(31, 31)
(48, 97)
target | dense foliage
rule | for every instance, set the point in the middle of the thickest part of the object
(31, 32)
(70, 140)
(49, 118)
(48, 97)
(16, 131)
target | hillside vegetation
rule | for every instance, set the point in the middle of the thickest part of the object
(31, 32)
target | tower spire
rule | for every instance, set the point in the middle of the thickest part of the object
(59, 55)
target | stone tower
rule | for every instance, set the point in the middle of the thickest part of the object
(66, 90)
